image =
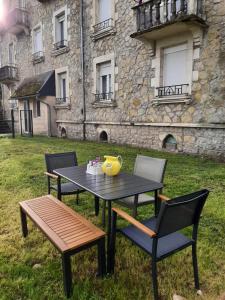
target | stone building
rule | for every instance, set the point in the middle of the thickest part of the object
(148, 74)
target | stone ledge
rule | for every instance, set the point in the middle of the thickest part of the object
(103, 104)
(60, 51)
(62, 106)
(38, 60)
(103, 33)
(172, 100)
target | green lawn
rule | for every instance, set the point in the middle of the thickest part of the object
(21, 177)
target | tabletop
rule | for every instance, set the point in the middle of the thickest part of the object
(108, 188)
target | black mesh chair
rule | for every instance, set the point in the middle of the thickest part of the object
(159, 236)
(57, 161)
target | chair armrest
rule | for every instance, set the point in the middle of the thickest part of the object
(51, 175)
(163, 197)
(134, 222)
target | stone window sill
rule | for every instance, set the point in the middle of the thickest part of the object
(62, 106)
(38, 60)
(60, 51)
(185, 99)
(103, 33)
(103, 104)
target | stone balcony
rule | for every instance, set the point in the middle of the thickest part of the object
(8, 74)
(17, 21)
(158, 19)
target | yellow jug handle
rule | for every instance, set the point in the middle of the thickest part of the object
(120, 159)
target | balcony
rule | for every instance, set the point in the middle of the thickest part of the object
(17, 21)
(158, 19)
(60, 47)
(179, 93)
(38, 57)
(103, 97)
(8, 74)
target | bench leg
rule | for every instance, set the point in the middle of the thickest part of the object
(23, 222)
(101, 258)
(67, 274)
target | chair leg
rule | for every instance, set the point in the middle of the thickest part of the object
(154, 279)
(113, 243)
(67, 274)
(77, 198)
(23, 222)
(103, 213)
(195, 266)
(101, 258)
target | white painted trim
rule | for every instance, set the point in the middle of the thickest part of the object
(39, 25)
(55, 14)
(157, 61)
(57, 73)
(99, 60)
(95, 12)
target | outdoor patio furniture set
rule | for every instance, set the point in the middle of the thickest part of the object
(159, 236)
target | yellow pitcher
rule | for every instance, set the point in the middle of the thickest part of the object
(112, 165)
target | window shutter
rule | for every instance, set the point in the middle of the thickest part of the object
(175, 65)
(104, 10)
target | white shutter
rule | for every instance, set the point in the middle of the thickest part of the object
(175, 69)
(105, 72)
(11, 54)
(37, 40)
(104, 10)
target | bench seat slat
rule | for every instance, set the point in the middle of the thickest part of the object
(65, 228)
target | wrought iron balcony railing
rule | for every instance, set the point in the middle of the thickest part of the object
(157, 12)
(60, 44)
(63, 100)
(172, 90)
(103, 97)
(103, 25)
(8, 74)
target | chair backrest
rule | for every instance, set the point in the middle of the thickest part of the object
(150, 167)
(60, 160)
(180, 212)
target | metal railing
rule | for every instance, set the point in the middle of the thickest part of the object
(9, 72)
(103, 25)
(155, 12)
(62, 100)
(103, 97)
(172, 90)
(60, 44)
(37, 55)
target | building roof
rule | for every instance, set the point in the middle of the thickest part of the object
(37, 86)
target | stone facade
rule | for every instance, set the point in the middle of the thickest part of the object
(135, 116)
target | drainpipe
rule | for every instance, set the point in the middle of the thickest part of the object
(49, 116)
(82, 66)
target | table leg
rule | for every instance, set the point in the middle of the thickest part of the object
(96, 205)
(109, 268)
(156, 203)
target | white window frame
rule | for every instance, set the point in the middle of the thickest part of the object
(38, 26)
(110, 58)
(58, 73)
(56, 16)
(158, 60)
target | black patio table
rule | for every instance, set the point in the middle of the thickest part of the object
(108, 188)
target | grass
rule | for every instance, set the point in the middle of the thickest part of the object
(21, 177)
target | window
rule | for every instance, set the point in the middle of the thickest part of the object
(103, 76)
(38, 106)
(104, 17)
(104, 10)
(104, 86)
(11, 54)
(62, 86)
(37, 42)
(60, 31)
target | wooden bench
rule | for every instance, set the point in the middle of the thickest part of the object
(67, 230)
